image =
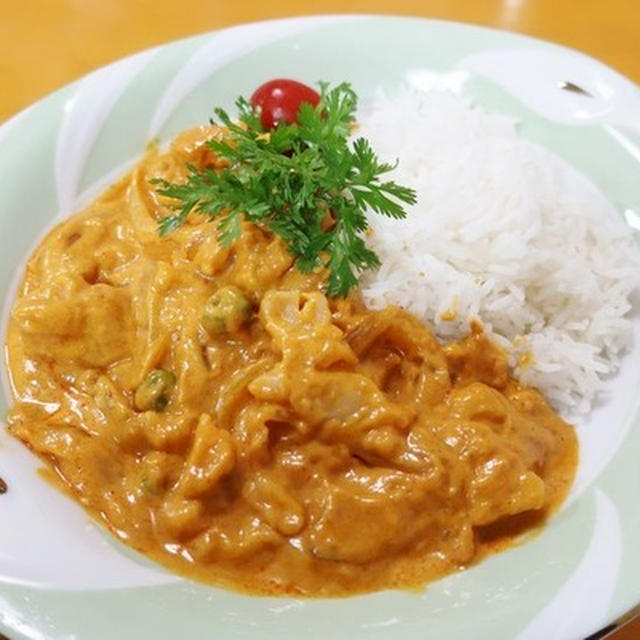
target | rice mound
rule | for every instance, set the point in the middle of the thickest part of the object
(506, 233)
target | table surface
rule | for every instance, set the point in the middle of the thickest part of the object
(44, 44)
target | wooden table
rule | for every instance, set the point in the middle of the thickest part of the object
(46, 43)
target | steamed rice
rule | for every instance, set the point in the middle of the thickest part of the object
(505, 233)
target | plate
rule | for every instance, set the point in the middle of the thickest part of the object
(62, 577)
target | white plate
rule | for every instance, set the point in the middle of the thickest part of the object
(62, 577)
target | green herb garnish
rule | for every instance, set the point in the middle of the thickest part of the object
(290, 179)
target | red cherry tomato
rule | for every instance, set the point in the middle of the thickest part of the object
(279, 101)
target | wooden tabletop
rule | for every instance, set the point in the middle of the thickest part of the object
(45, 44)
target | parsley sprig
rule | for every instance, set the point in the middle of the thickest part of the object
(290, 180)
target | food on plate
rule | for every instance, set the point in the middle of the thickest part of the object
(303, 181)
(279, 101)
(3, 486)
(220, 396)
(504, 232)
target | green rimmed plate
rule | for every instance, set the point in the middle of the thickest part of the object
(61, 577)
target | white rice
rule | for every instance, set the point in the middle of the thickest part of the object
(506, 233)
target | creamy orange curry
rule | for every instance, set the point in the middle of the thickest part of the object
(220, 414)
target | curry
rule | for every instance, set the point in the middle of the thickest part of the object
(219, 413)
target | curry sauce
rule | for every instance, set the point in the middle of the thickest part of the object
(313, 447)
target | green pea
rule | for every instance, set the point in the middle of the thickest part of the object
(226, 311)
(154, 391)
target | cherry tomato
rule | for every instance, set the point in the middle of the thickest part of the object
(279, 101)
